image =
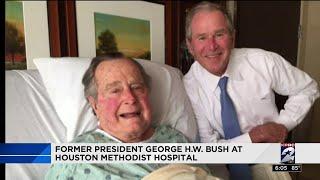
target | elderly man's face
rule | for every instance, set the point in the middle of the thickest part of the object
(211, 41)
(122, 105)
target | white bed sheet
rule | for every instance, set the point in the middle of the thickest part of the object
(29, 123)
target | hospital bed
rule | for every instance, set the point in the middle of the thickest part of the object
(46, 105)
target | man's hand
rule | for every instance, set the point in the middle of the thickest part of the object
(269, 133)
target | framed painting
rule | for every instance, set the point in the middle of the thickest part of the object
(26, 33)
(15, 52)
(135, 28)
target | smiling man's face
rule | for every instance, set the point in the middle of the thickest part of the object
(211, 41)
(122, 105)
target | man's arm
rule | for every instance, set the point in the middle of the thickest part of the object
(302, 91)
(300, 88)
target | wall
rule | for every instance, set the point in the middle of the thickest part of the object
(309, 61)
(36, 31)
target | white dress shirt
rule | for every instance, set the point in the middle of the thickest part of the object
(253, 76)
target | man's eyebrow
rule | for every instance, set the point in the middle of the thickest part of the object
(199, 35)
(217, 31)
(113, 84)
(221, 30)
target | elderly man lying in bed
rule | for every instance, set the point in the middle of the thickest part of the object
(117, 89)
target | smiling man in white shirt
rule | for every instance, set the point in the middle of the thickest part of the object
(252, 77)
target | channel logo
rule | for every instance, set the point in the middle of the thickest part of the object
(287, 153)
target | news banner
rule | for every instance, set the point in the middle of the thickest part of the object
(284, 157)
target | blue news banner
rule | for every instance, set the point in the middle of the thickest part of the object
(284, 156)
(25, 153)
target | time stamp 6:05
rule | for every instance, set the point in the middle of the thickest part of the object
(287, 167)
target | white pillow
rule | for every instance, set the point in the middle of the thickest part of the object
(62, 79)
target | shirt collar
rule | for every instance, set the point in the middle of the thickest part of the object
(118, 140)
(234, 67)
(205, 78)
(210, 80)
(108, 135)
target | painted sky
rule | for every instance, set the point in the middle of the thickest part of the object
(14, 14)
(130, 33)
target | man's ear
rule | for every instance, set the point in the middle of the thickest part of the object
(93, 103)
(233, 38)
(189, 46)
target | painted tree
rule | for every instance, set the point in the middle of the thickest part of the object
(146, 55)
(14, 41)
(106, 43)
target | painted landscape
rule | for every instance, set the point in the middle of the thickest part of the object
(15, 53)
(127, 35)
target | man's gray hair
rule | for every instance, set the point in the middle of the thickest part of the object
(206, 6)
(89, 82)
